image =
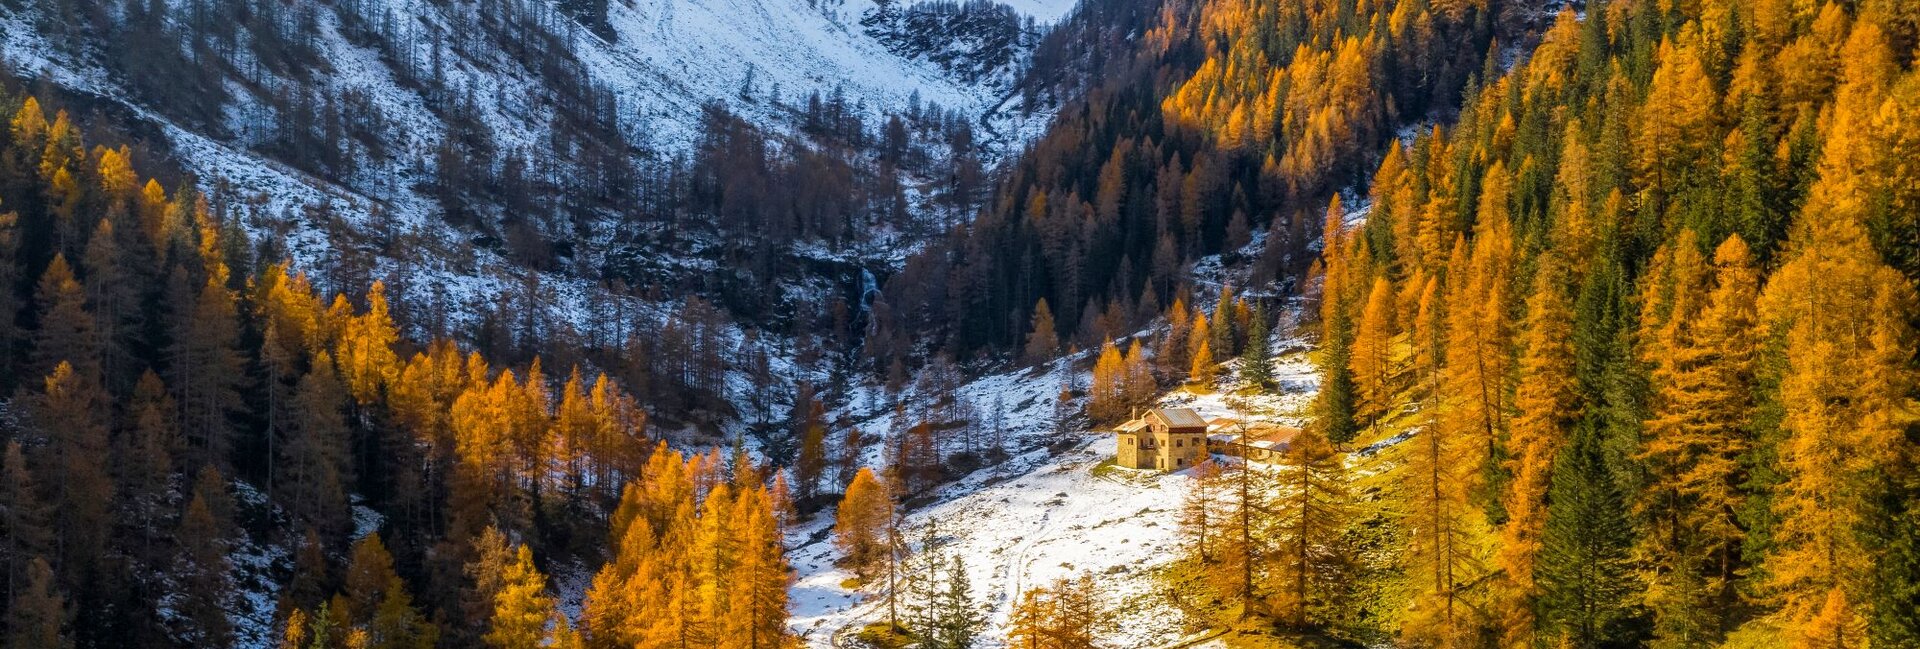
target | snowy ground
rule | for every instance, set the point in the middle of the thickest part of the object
(1041, 516)
(1054, 520)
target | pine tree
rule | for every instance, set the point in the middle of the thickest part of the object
(1256, 361)
(1585, 570)
(957, 618)
(1334, 407)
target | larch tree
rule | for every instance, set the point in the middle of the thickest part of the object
(10, 303)
(1313, 510)
(207, 368)
(1203, 367)
(1106, 398)
(66, 332)
(202, 567)
(37, 615)
(1245, 541)
(1372, 359)
(315, 458)
(1675, 121)
(861, 522)
(23, 519)
(1444, 527)
(365, 352)
(1547, 399)
(1138, 386)
(69, 413)
(1199, 335)
(113, 302)
(811, 463)
(1043, 342)
(1198, 506)
(1064, 614)
(143, 460)
(1478, 357)
(523, 612)
(1702, 408)
(1844, 315)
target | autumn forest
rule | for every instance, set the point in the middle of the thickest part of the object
(1586, 325)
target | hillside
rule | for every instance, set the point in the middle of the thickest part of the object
(1057, 509)
(750, 324)
(416, 141)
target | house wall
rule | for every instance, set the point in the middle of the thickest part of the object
(1129, 455)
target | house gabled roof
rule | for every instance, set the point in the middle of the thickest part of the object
(1179, 417)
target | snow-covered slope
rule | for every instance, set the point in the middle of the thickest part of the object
(1043, 516)
(672, 56)
(414, 75)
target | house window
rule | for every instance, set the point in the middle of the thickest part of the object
(1179, 443)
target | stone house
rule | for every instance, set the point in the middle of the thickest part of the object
(1164, 439)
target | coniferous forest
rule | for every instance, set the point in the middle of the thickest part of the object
(1572, 324)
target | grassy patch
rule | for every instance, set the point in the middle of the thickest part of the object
(880, 635)
(1110, 469)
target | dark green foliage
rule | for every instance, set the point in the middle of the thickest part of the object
(1334, 407)
(957, 619)
(1256, 361)
(1893, 525)
(1586, 571)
